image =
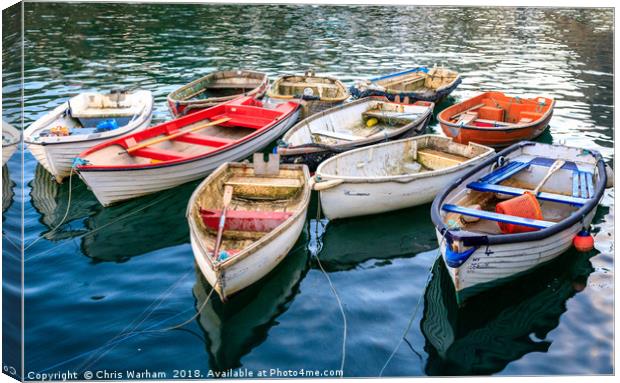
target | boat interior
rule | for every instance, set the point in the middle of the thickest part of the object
(260, 203)
(420, 81)
(493, 109)
(325, 88)
(358, 122)
(242, 118)
(475, 207)
(220, 84)
(90, 112)
(413, 156)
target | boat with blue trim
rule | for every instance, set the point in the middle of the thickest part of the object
(416, 84)
(483, 244)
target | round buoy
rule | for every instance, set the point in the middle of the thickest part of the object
(583, 241)
(469, 219)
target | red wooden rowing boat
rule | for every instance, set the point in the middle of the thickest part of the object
(496, 120)
(184, 149)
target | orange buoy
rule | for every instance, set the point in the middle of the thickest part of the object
(583, 241)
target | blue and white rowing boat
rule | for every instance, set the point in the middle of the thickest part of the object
(477, 252)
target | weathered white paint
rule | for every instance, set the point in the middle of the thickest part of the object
(10, 139)
(367, 187)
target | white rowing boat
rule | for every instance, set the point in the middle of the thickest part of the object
(265, 217)
(483, 246)
(392, 175)
(82, 122)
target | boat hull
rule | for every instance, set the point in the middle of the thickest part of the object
(227, 281)
(7, 152)
(115, 185)
(496, 264)
(364, 198)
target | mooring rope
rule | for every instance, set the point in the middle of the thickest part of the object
(331, 285)
(417, 306)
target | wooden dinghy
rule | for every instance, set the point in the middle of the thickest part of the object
(84, 121)
(496, 120)
(484, 243)
(182, 150)
(416, 84)
(264, 215)
(392, 175)
(10, 139)
(355, 124)
(317, 92)
(215, 88)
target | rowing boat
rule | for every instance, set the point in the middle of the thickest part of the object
(416, 84)
(496, 120)
(483, 245)
(352, 125)
(10, 139)
(392, 175)
(215, 88)
(261, 223)
(84, 121)
(317, 92)
(182, 150)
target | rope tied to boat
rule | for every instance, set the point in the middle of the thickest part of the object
(331, 285)
(417, 306)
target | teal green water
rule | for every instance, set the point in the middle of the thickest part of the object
(129, 268)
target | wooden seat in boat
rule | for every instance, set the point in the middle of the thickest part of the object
(583, 187)
(264, 187)
(244, 220)
(158, 154)
(200, 139)
(483, 214)
(337, 135)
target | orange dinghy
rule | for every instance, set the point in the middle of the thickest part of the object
(496, 120)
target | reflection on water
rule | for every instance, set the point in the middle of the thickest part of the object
(75, 47)
(7, 190)
(501, 325)
(233, 329)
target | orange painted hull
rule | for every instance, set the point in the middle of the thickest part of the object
(507, 119)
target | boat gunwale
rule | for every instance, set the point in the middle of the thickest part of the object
(297, 150)
(542, 119)
(406, 178)
(219, 267)
(210, 100)
(139, 119)
(271, 91)
(13, 132)
(470, 238)
(163, 164)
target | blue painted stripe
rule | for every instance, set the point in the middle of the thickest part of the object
(576, 184)
(417, 69)
(492, 188)
(590, 184)
(582, 185)
(535, 223)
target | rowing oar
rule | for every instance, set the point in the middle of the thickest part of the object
(173, 136)
(228, 192)
(467, 110)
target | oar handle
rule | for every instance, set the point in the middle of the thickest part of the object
(228, 192)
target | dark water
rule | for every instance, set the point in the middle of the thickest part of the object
(106, 272)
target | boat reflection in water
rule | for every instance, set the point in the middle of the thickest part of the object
(118, 232)
(399, 234)
(110, 234)
(7, 189)
(234, 328)
(50, 200)
(502, 324)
